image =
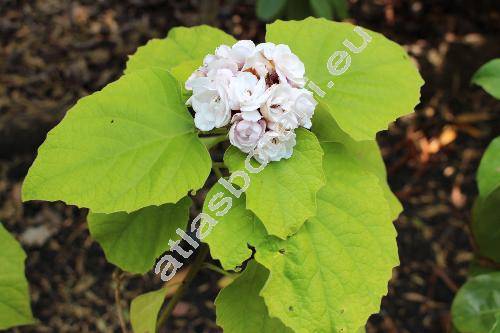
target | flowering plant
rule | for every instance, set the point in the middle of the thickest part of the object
(308, 232)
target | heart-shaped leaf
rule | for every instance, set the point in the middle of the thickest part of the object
(129, 146)
(331, 275)
(372, 80)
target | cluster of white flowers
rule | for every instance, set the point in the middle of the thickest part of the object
(259, 90)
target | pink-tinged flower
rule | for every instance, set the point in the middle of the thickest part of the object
(245, 134)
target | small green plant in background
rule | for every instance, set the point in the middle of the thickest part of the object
(488, 77)
(298, 9)
(476, 307)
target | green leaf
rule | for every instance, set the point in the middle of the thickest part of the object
(340, 8)
(488, 77)
(380, 85)
(144, 311)
(129, 146)
(134, 241)
(239, 307)
(488, 174)
(181, 45)
(366, 152)
(321, 8)
(331, 275)
(15, 307)
(268, 10)
(476, 306)
(236, 229)
(283, 194)
(297, 9)
(486, 225)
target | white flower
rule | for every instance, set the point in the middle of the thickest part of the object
(210, 99)
(211, 69)
(278, 108)
(269, 58)
(247, 93)
(288, 66)
(303, 106)
(245, 134)
(258, 62)
(211, 110)
(237, 53)
(273, 146)
(216, 80)
(241, 50)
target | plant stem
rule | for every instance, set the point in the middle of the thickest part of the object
(214, 268)
(217, 171)
(216, 166)
(193, 270)
(117, 278)
(220, 165)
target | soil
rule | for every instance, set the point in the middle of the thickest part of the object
(53, 52)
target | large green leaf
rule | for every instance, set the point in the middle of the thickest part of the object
(476, 306)
(239, 307)
(181, 45)
(236, 229)
(15, 307)
(283, 194)
(331, 275)
(129, 146)
(380, 85)
(488, 77)
(366, 152)
(488, 174)
(134, 241)
(144, 311)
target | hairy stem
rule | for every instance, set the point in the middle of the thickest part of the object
(193, 270)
